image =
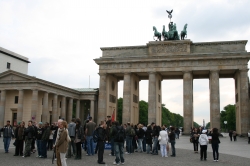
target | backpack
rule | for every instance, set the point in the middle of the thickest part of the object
(95, 136)
(120, 136)
(132, 132)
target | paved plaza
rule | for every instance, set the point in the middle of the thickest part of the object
(231, 153)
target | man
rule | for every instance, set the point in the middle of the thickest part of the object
(29, 133)
(7, 134)
(45, 139)
(101, 141)
(90, 127)
(128, 138)
(118, 134)
(33, 149)
(19, 139)
(39, 134)
(72, 133)
(108, 124)
(155, 135)
(111, 137)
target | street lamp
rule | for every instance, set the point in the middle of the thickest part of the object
(225, 122)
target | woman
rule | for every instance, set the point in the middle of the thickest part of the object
(140, 135)
(195, 137)
(79, 137)
(19, 136)
(149, 139)
(163, 140)
(62, 143)
(203, 140)
(215, 144)
(172, 140)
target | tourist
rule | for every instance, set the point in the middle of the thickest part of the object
(90, 127)
(148, 136)
(140, 135)
(155, 135)
(172, 140)
(215, 144)
(203, 140)
(29, 133)
(50, 141)
(45, 138)
(163, 140)
(78, 139)
(101, 141)
(235, 135)
(72, 133)
(144, 138)
(7, 134)
(195, 137)
(62, 143)
(129, 138)
(118, 133)
(111, 138)
(39, 133)
(19, 139)
(177, 133)
(230, 134)
(33, 148)
(248, 134)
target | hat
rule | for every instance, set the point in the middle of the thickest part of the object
(108, 116)
(152, 123)
(204, 131)
(19, 123)
(40, 123)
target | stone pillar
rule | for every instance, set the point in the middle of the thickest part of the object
(242, 102)
(102, 98)
(187, 101)
(63, 111)
(20, 106)
(82, 111)
(45, 113)
(54, 109)
(70, 110)
(126, 98)
(2, 107)
(92, 108)
(214, 87)
(152, 98)
(34, 105)
(77, 108)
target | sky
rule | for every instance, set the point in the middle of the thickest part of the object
(61, 38)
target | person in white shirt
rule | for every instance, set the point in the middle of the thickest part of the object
(203, 140)
(163, 140)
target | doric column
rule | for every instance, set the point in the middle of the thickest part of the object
(20, 106)
(92, 108)
(126, 98)
(242, 102)
(82, 111)
(214, 87)
(2, 107)
(152, 98)
(187, 101)
(63, 111)
(54, 109)
(45, 113)
(77, 108)
(34, 104)
(70, 110)
(102, 98)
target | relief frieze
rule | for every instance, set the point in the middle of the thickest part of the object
(173, 48)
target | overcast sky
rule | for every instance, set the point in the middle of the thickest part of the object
(61, 38)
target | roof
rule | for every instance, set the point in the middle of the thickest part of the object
(86, 89)
(14, 55)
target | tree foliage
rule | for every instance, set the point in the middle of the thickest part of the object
(228, 114)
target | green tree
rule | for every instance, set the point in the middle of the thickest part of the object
(228, 114)
(119, 111)
(208, 125)
(143, 112)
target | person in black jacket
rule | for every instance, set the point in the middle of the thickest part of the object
(140, 135)
(155, 135)
(172, 140)
(45, 139)
(39, 134)
(148, 136)
(101, 141)
(215, 144)
(78, 139)
(29, 133)
(7, 134)
(19, 136)
(118, 133)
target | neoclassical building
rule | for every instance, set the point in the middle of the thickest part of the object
(24, 97)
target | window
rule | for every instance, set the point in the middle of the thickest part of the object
(16, 99)
(8, 65)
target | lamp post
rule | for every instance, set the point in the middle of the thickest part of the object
(225, 122)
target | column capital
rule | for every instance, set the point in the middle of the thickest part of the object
(214, 71)
(187, 71)
(243, 70)
(152, 72)
(127, 73)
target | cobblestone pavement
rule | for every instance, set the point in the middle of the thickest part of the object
(229, 155)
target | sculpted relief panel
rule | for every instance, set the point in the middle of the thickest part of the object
(174, 48)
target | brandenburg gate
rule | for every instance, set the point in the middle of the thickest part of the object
(173, 59)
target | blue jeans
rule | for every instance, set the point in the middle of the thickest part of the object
(39, 147)
(6, 141)
(155, 145)
(119, 152)
(215, 147)
(44, 148)
(112, 146)
(129, 144)
(173, 147)
(148, 148)
(90, 145)
(140, 145)
(144, 144)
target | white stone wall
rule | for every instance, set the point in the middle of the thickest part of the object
(16, 64)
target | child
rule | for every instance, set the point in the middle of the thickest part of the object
(203, 140)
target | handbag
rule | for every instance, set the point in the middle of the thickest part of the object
(159, 138)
